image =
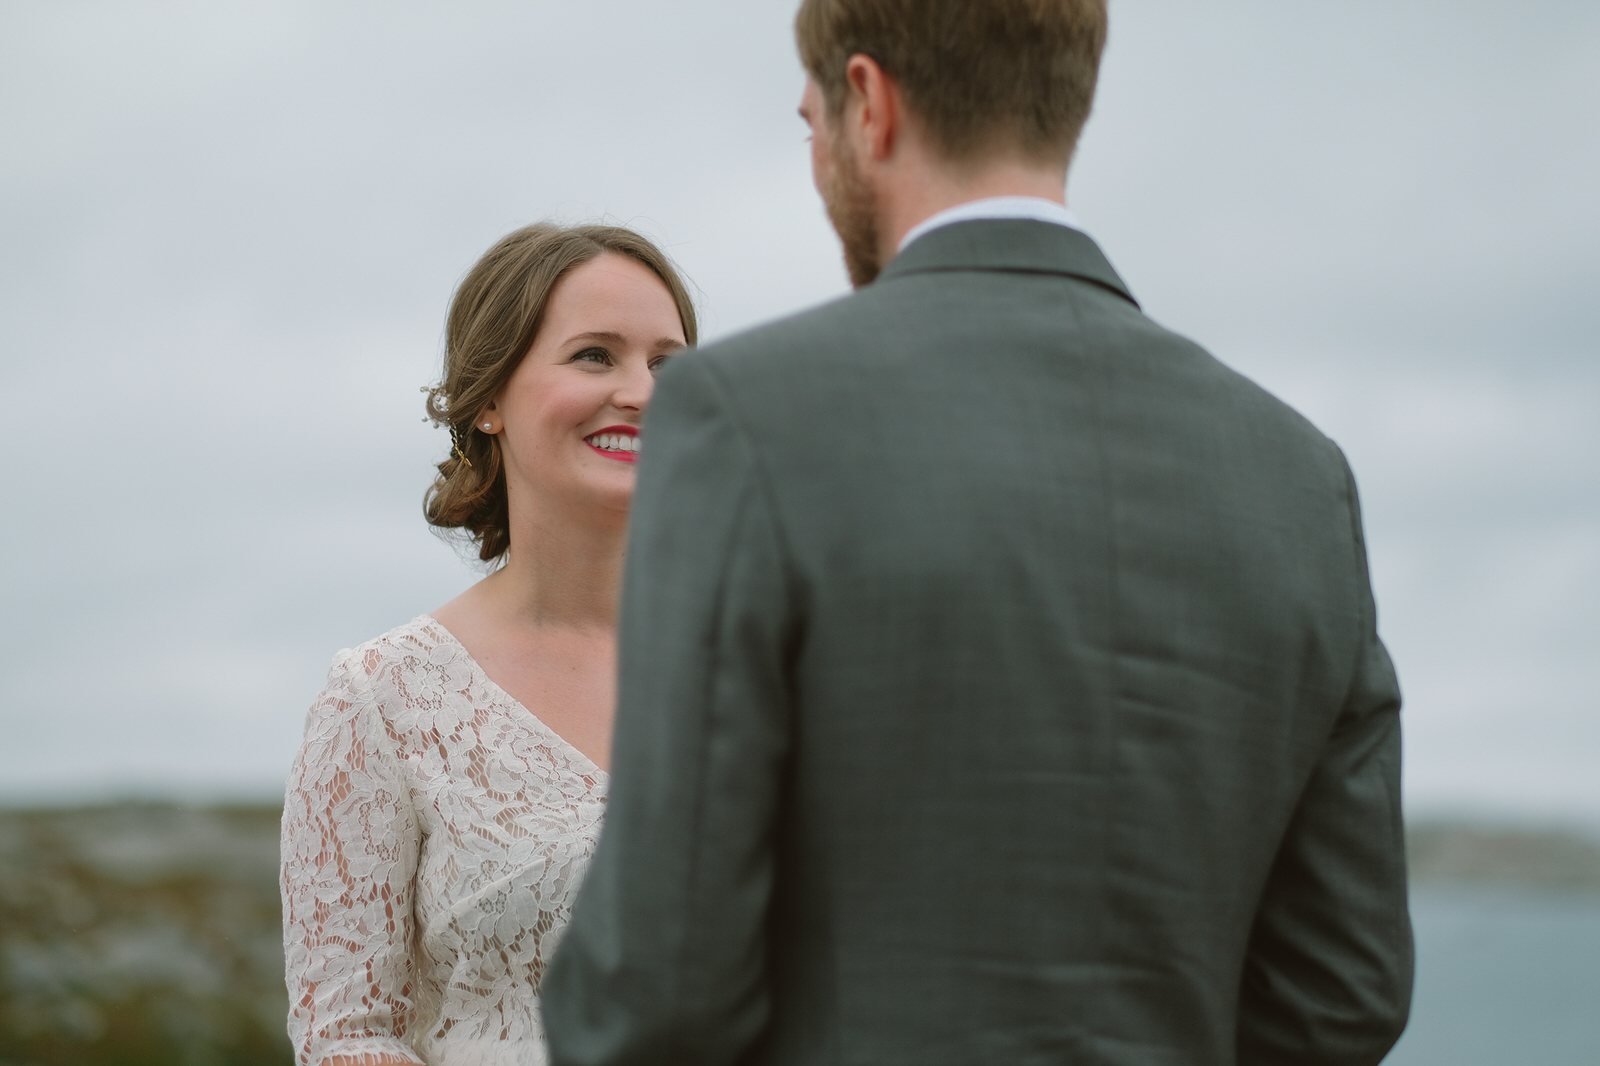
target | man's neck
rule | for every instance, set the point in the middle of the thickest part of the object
(909, 203)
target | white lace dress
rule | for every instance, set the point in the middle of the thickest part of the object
(434, 835)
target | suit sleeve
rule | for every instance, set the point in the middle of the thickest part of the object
(1327, 979)
(664, 960)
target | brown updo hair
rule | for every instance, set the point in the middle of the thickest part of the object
(494, 318)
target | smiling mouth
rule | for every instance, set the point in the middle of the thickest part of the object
(619, 442)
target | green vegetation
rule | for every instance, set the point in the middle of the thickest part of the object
(139, 935)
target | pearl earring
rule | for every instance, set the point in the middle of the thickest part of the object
(486, 425)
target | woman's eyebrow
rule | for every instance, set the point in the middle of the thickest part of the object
(598, 335)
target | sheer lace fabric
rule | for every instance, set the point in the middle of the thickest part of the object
(434, 835)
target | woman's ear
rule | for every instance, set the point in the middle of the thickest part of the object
(488, 419)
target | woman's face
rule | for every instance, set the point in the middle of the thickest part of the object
(569, 417)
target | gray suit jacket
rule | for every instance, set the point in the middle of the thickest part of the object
(1000, 684)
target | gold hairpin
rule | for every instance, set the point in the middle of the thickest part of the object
(455, 446)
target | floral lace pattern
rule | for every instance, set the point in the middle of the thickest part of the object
(434, 835)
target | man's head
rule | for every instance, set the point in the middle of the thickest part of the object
(969, 84)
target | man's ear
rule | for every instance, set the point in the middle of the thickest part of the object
(872, 112)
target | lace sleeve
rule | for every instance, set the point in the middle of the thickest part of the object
(349, 849)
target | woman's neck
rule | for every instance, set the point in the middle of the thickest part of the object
(562, 570)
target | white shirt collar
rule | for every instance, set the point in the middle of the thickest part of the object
(1033, 207)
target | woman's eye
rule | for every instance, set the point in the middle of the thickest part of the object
(593, 355)
(658, 362)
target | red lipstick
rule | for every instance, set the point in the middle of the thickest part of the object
(620, 443)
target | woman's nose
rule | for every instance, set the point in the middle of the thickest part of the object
(635, 386)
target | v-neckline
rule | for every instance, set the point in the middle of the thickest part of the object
(499, 693)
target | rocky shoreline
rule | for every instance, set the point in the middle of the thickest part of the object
(144, 934)
(1463, 853)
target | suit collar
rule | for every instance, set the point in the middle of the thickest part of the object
(1018, 245)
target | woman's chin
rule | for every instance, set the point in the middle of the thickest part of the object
(611, 494)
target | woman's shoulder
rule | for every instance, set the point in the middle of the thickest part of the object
(368, 673)
(422, 638)
(341, 719)
(413, 672)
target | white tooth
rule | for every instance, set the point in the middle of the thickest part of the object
(616, 443)
(633, 444)
(608, 442)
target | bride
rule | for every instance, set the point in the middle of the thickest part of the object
(452, 778)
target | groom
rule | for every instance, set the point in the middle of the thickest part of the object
(1000, 681)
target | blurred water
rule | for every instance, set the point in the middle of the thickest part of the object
(1505, 976)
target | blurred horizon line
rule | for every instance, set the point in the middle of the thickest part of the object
(258, 795)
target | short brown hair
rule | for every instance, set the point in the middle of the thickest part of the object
(981, 74)
(494, 318)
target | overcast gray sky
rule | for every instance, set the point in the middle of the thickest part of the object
(229, 233)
